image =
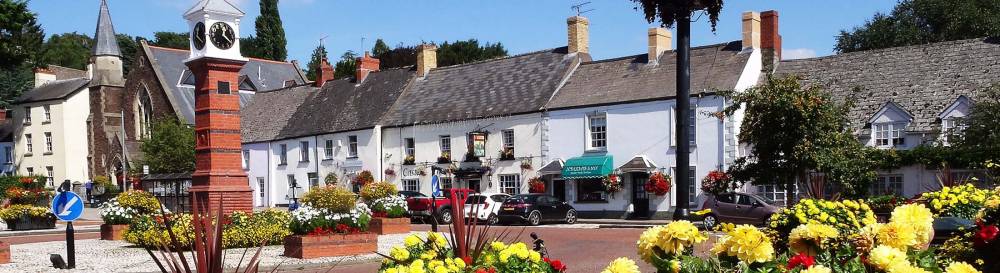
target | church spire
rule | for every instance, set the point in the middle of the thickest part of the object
(105, 42)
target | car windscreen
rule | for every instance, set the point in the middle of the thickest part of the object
(522, 199)
(499, 198)
(477, 199)
(409, 194)
(765, 199)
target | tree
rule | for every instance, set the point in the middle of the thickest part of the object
(791, 130)
(315, 60)
(380, 48)
(468, 51)
(249, 47)
(398, 57)
(170, 147)
(270, 32)
(346, 66)
(914, 22)
(980, 139)
(178, 40)
(68, 50)
(14, 82)
(21, 37)
(129, 46)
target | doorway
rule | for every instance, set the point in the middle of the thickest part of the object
(474, 185)
(640, 198)
(559, 189)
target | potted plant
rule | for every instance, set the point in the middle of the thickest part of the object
(507, 154)
(119, 212)
(444, 158)
(658, 184)
(330, 179)
(27, 217)
(363, 178)
(388, 208)
(536, 185)
(390, 172)
(718, 182)
(471, 157)
(409, 160)
(612, 184)
(526, 165)
(330, 223)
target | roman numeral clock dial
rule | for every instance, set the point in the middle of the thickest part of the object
(198, 36)
(222, 35)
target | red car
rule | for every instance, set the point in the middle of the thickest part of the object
(423, 207)
(738, 208)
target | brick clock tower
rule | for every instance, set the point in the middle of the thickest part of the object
(216, 62)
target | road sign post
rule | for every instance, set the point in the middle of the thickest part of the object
(68, 206)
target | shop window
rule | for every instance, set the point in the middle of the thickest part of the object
(590, 190)
(510, 184)
(411, 185)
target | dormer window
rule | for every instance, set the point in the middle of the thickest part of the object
(889, 125)
(889, 134)
(953, 119)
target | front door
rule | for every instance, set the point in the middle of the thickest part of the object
(474, 185)
(559, 189)
(640, 198)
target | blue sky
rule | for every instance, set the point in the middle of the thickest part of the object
(808, 27)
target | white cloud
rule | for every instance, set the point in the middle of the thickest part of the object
(798, 53)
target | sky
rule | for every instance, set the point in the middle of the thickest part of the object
(808, 28)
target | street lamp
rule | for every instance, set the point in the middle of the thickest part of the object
(682, 171)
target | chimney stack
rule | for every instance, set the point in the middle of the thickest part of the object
(43, 75)
(659, 42)
(770, 37)
(579, 34)
(325, 73)
(426, 59)
(751, 30)
(366, 65)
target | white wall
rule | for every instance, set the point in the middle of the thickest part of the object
(69, 138)
(527, 139)
(344, 166)
(259, 169)
(299, 169)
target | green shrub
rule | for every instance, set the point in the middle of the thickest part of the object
(240, 230)
(378, 190)
(335, 199)
(142, 202)
(150, 231)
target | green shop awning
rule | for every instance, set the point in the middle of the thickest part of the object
(588, 167)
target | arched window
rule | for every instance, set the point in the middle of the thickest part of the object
(144, 114)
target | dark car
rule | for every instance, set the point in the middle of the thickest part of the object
(738, 208)
(534, 209)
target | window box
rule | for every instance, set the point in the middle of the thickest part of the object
(382, 226)
(31, 223)
(470, 157)
(113, 232)
(445, 158)
(409, 160)
(316, 246)
(507, 154)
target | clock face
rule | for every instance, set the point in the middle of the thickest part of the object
(198, 36)
(222, 35)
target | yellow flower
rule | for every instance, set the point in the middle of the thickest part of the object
(918, 217)
(399, 253)
(622, 265)
(702, 212)
(805, 237)
(411, 241)
(817, 269)
(906, 268)
(898, 235)
(746, 243)
(886, 257)
(960, 267)
(672, 239)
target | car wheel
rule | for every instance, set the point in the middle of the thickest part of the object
(534, 218)
(493, 220)
(571, 217)
(445, 216)
(710, 221)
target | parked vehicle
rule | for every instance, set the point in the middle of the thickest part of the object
(536, 208)
(423, 207)
(485, 207)
(408, 194)
(738, 208)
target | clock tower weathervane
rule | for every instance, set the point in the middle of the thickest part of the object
(216, 62)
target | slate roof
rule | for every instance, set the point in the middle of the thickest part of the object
(632, 78)
(922, 79)
(219, 6)
(55, 90)
(264, 118)
(505, 86)
(105, 42)
(169, 65)
(64, 73)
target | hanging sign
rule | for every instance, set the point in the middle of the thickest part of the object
(478, 143)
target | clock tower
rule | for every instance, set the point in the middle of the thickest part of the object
(216, 62)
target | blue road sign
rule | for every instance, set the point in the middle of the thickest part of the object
(67, 206)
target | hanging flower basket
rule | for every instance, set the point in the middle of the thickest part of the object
(718, 182)
(526, 165)
(536, 185)
(658, 184)
(612, 184)
(390, 172)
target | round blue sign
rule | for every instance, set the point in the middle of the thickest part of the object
(67, 206)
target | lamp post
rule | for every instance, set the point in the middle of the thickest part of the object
(683, 151)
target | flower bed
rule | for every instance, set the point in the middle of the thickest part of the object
(113, 232)
(847, 216)
(27, 217)
(432, 253)
(388, 208)
(119, 212)
(330, 245)
(962, 201)
(240, 229)
(330, 223)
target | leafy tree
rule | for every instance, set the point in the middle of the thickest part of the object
(397, 57)
(380, 48)
(914, 22)
(68, 50)
(270, 33)
(315, 60)
(250, 47)
(460, 52)
(178, 40)
(129, 46)
(170, 147)
(346, 66)
(792, 129)
(14, 82)
(668, 11)
(981, 139)
(21, 37)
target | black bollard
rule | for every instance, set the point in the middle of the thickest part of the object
(70, 246)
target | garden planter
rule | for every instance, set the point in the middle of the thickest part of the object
(112, 232)
(382, 226)
(315, 246)
(31, 223)
(4, 253)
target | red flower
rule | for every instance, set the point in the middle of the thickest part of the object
(985, 235)
(800, 259)
(468, 260)
(557, 265)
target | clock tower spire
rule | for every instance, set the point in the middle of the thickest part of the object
(216, 62)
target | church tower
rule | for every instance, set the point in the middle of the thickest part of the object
(216, 61)
(107, 95)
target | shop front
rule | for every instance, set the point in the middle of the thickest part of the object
(593, 188)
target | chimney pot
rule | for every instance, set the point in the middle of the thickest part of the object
(579, 34)
(326, 73)
(366, 65)
(426, 59)
(659, 41)
(770, 36)
(751, 30)
(43, 75)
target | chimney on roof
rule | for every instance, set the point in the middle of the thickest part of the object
(366, 65)
(751, 29)
(426, 59)
(659, 42)
(770, 38)
(325, 73)
(43, 75)
(579, 34)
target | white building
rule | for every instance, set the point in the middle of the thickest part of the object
(617, 116)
